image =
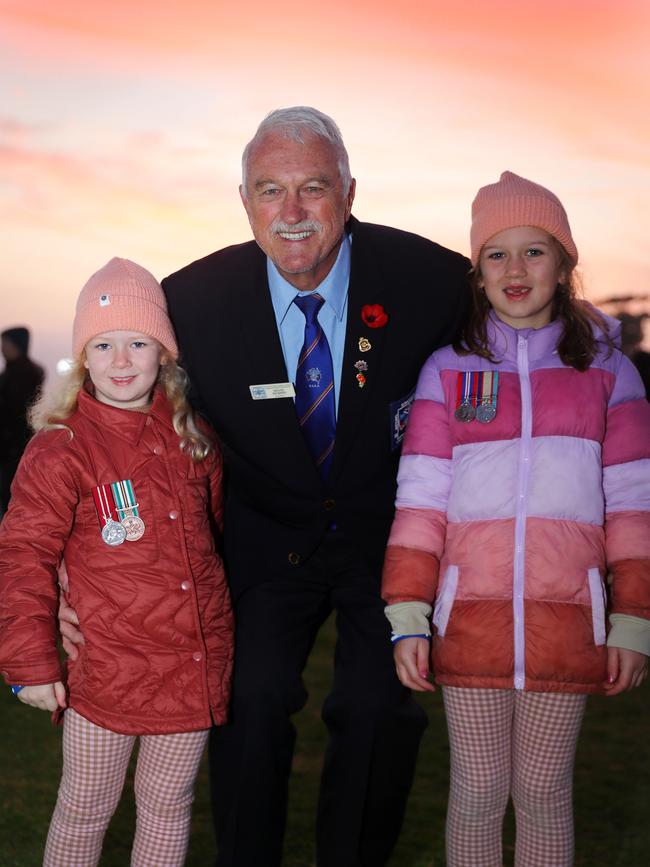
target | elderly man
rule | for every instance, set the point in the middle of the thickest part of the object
(310, 404)
(303, 349)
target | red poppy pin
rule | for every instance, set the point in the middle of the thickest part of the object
(374, 315)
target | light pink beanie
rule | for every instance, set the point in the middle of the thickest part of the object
(122, 296)
(514, 201)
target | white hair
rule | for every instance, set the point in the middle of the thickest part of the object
(294, 122)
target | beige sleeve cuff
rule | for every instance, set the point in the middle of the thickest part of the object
(409, 618)
(630, 633)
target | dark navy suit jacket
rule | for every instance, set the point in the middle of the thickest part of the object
(277, 507)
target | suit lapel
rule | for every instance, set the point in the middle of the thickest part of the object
(366, 287)
(258, 329)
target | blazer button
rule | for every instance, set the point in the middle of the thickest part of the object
(197, 656)
(157, 450)
(185, 585)
(329, 505)
(294, 558)
(173, 514)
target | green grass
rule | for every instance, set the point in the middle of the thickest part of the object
(612, 789)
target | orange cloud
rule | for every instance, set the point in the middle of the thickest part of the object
(124, 122)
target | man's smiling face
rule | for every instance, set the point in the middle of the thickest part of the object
(297, 205)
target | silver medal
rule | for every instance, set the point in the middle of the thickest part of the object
(113, 533)
(486, 412)
(465, 412)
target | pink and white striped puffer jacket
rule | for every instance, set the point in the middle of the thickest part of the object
(524, 516)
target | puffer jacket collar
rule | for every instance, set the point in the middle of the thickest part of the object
(503, 339)
(124, 423)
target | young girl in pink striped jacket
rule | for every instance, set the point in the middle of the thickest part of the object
(523, 527)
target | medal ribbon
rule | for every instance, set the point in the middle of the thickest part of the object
(464, 388)
(104, 504)
(125, 497)
(486, 387)
(477, 379)
(494, 387)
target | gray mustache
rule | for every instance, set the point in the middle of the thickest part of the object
(304, 226)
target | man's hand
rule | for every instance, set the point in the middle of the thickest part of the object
(70, 635)
(47, 696)
(68, 620)
(412, 663)
(625, 670)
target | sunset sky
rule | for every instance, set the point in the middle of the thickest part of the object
(122, 125)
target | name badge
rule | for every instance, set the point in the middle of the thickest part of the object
(272, 390)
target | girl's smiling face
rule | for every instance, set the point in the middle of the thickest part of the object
(123, 367)
(520, 271)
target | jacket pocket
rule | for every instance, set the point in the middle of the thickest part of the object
(101, 557)
(598, 605)
(445, 600)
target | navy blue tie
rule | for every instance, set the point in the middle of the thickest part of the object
(315, 403)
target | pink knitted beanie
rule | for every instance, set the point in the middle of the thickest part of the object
(122, 296)
(514, 201)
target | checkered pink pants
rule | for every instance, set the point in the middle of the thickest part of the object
(511, 742)
(95, 761)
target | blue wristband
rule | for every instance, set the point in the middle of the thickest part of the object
(16, 689)
(397, 638)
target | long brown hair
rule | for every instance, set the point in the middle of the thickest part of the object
(578, 345)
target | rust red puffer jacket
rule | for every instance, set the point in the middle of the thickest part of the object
(155, 612)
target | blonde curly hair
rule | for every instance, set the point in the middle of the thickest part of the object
(52, 409)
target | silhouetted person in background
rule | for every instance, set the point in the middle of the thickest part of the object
(19, 385)
(631, 337)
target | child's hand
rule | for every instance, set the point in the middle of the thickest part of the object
(47, 696)
(412, 663)
(625, 669)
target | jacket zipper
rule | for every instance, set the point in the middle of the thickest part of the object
(520, 512)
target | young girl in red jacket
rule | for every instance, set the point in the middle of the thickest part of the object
(123, 485)
(524, 479)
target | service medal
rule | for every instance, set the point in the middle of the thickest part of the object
(127, 506)
(133, 527)
(485, 413)
(113, 533)
(465, 412)
(465, 397)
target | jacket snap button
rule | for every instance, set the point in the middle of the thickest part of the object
(329, 505)
(157, 450)
(294, 558)
(196, 656)
(173, 514)
(185, 585)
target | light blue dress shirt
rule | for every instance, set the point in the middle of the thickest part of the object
(332, 315)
